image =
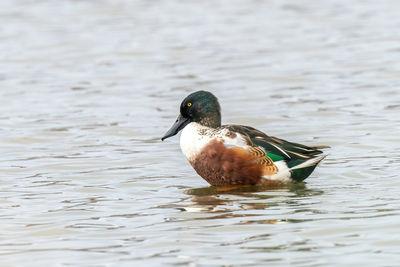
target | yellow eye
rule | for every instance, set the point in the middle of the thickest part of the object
(189, 104)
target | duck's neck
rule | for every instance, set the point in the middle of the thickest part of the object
(212, 121)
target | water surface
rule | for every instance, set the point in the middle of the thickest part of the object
(89, 87)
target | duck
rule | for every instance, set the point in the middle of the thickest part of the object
(236, 155)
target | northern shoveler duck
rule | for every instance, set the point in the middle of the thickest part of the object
(235, 154)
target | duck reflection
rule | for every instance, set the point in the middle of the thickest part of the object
(230, 201)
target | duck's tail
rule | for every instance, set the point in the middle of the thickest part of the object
(302, 168)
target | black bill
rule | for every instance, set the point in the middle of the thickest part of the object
(179, 124)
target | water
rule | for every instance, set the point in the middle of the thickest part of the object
(89, 87)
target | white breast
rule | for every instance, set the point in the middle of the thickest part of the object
(195, 137)
(192, 141)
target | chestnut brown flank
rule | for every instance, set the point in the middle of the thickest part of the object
(220, 165)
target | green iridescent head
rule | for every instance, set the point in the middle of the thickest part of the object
(201, 107)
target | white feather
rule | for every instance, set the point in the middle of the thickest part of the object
(283, 173)
(309, 162)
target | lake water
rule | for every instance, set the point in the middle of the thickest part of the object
(87, 89)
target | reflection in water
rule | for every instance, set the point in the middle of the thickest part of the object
(296, 190)
(228, 200)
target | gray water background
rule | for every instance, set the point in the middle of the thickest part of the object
(87, 88)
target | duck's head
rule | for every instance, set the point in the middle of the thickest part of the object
(201, 107)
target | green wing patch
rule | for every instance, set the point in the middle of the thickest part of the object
(274, 157)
